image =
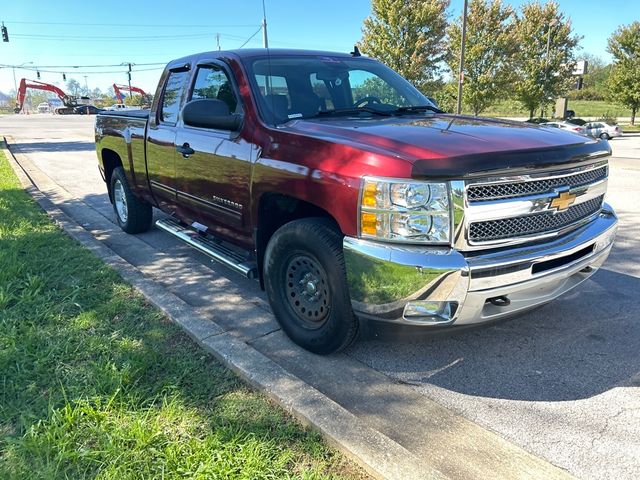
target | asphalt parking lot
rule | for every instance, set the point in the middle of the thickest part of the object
(561, 382)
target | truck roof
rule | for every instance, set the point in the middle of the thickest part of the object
(260, 52)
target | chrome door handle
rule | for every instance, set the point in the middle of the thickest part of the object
(185, 150)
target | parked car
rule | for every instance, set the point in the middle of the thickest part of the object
(43, 107)
(537, 120)
(86, 110)
(122, 106)
(565, 126)
(602, 130)
(288, 166)
(576, 121)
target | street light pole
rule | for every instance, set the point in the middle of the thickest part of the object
(461, 69)
(15, 84)
(546, 67)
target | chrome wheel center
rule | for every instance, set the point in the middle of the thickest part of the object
(311, 288)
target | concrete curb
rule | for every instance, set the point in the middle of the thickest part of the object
(380, 456)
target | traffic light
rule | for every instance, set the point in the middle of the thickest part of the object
(5, 34)
(64, 77)
(38, 74)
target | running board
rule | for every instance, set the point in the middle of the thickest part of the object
(209, 246)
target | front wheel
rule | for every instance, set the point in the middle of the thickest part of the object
(604, 136)
(306, 284)
(133, 215)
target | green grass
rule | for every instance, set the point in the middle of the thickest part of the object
(583, 108)
(96, 383)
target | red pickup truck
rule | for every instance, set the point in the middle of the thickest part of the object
(351, 197)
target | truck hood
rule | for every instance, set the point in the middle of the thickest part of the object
(450, 146)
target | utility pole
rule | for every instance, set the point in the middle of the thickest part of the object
(129, 74)
(265, 40)
(461, 69)
(15, 84)
(86, 85)
(218, 40)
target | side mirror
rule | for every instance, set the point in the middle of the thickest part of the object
(210, 113)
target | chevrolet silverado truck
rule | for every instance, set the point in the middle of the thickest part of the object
(351, 197)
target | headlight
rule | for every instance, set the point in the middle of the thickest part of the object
(405, 211)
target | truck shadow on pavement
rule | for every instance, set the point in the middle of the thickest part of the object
(579, 346)
(52, 147)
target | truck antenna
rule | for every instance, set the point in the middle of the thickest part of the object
(267, 79)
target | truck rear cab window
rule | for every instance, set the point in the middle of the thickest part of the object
(321, 89)
(172, 95)
(366, 84)
(275, 95)
(213, 82)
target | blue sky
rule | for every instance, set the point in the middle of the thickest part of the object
(192, 27)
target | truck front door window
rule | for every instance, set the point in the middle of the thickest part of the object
(212, 82)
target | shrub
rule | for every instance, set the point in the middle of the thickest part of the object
(607, 118)
(585, 94)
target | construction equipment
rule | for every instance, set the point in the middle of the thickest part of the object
(68, 101)
(118, 89)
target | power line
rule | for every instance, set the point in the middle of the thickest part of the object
(251, 37)
(107, 37)
(92, 72)
(67, 38)
(124, 25)
(84, 66)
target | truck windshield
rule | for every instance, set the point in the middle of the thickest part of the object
(294, 87)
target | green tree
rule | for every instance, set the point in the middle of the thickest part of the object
(594, 85)
(489, 49)
(408, 36)
(624, 82)
(598, 72)
(544, 61)
(73, 87)
(96, 93)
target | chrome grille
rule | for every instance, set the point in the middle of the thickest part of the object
(532, 224)
(497, 191)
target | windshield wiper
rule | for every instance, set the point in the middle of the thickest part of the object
(417, 108)
(351, 111)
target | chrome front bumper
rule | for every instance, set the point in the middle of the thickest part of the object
(431, 286)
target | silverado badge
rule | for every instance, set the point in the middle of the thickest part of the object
(562, 201)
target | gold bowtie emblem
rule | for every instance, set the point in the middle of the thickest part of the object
(562, 201)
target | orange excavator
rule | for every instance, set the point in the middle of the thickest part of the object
(68, 101)
(118, 89)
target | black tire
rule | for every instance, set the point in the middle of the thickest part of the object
(306, 283)
(604, 136)
(137, 216)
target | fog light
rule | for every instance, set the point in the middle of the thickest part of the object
(427, 312)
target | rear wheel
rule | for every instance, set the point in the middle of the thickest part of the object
(604, 136)
(306, 283)
(133, 215)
